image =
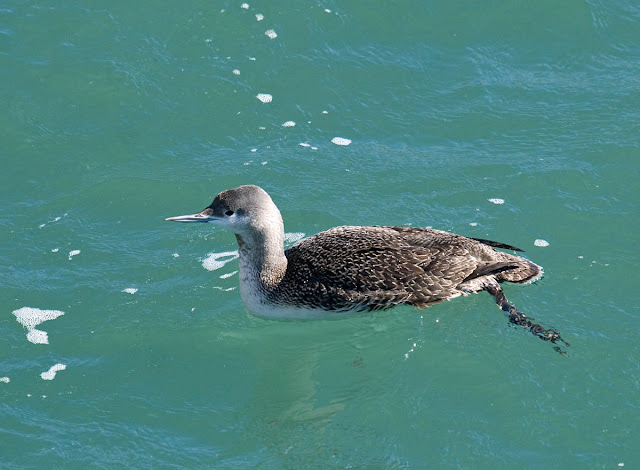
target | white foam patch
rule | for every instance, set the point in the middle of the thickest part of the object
(130, 290)
(245, 6)
(5, 379)
(55, 250)
(224, 276)
(236, 72)
(473, 224)
(36, 336)
(341, 141)
(51, 373)
(265, 97)
(31, 317)
(541, 242)
(496, 200)
(259, 17)
(271, 33)
(304, 144)
(293, 237)
(217, 260)
(73, 253)
(288, 124)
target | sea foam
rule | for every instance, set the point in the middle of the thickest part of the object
(217, 260)
(31, 317)
(341, 141)
(265, 97)
(53, 370)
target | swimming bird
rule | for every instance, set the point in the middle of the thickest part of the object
(359, 268)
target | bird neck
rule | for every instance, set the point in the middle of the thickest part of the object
(262, 255)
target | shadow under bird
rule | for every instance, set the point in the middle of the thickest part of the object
(354, 268)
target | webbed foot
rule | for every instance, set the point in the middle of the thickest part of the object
(518, 318)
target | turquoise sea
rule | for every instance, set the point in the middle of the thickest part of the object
(123, 339)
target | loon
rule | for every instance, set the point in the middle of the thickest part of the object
(356, 268)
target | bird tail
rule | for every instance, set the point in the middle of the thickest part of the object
(522, 272)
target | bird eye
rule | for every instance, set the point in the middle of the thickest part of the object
(229, 213)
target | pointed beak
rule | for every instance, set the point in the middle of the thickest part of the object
(199, 217)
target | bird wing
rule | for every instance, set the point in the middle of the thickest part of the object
(382, 266)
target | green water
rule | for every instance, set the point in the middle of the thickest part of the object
(117, 115)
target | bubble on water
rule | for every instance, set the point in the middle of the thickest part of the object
(223, 289)
(341, 141)
(52, 221)
(264, 97)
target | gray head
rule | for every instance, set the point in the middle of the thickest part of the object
(245, 211)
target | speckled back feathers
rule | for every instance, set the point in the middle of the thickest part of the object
(367, 268)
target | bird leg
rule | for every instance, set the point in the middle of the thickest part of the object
(518, 318)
